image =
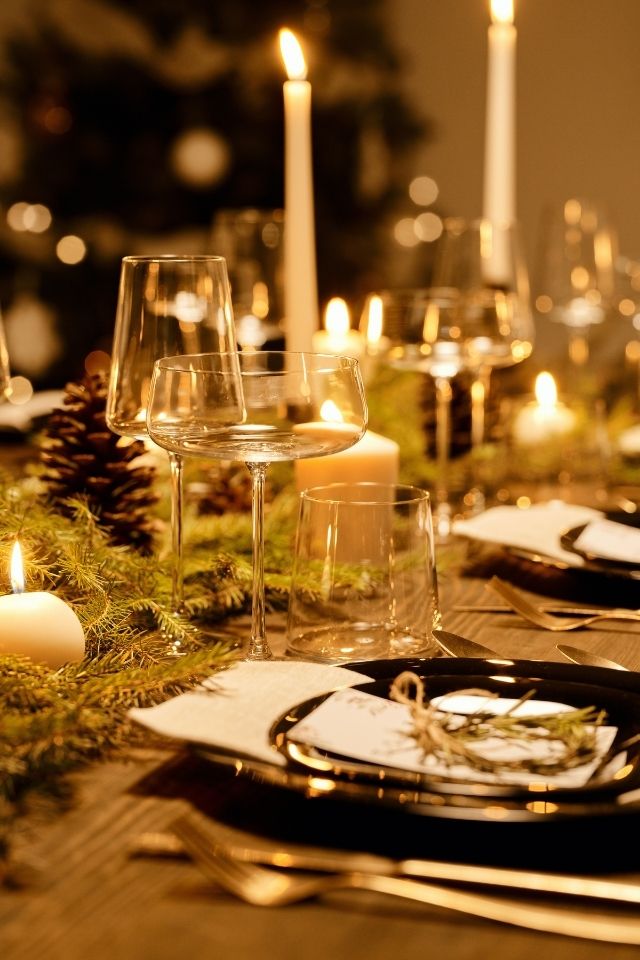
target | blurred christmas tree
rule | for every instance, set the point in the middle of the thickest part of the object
(125, 124)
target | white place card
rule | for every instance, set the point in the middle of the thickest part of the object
(611, 541)
(361, 726)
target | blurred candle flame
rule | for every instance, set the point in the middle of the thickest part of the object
(545, 390)
(294, 62)
(17, 569)
(374, 320)
(502, 11)
(336, 318)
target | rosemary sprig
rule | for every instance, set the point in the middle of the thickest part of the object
(570, 735)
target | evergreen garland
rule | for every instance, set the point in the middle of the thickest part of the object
(53, 720)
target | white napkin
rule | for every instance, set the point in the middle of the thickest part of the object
(537, 528)
(235, 709)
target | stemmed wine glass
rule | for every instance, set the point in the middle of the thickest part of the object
(256, 407)
(428, 340)
(576, 277)
(481, 263)
(167, 305)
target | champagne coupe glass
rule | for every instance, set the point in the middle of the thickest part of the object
(481, 263)
(167, 305)
(429, 341)
(257, 407)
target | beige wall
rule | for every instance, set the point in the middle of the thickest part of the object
(578, 103)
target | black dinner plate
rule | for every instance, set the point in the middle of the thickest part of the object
(586, 830)
(513, 678)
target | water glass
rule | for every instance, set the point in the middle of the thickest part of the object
(364, 582)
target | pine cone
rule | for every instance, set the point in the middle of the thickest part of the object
(82, 457)
(226, 488)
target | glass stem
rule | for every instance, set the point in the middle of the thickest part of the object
(479, 397)
(476, 498)
(258, 646)
(177, 574)
(443, 441)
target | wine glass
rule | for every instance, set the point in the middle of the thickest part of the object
(481, 263)
(576, 277)
(256, 407)
(429, 341)
(167, 305)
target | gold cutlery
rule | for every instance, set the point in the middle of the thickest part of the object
(262, 886)
(547, 608)
(548, 621)
(456, 646)
(586, 658)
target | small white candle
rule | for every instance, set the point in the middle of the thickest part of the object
(38, 625)
(500, 129)
(300, 284)
(373, 459)
(337, 337)
(545, 418)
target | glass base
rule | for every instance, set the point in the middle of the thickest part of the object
(359, 641)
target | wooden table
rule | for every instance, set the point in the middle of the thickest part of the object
(89, 898)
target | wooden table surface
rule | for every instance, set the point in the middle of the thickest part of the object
(90, 898)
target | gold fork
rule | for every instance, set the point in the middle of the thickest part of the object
(549, 621)
(261, 886)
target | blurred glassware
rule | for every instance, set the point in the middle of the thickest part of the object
(427, 339)
(167, 305)
(251, 241)
(576, 279)
(482, 263)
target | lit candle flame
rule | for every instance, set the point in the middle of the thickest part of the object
(374, 320)
(294, 62)
(502, 11)
(17, 569)
(330, 412)
(546, 390)
(336, 318)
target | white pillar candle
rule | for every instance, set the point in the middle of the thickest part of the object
(300, 284)
(373, 459)
(337, 337)
(500, 131)
(544, 419)
(38, 625)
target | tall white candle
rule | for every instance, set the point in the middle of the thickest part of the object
(499, 203)
(300, 284)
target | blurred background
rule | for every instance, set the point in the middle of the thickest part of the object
(129, 126)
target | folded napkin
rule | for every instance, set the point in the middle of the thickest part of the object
(537, 528)
(235, 709)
